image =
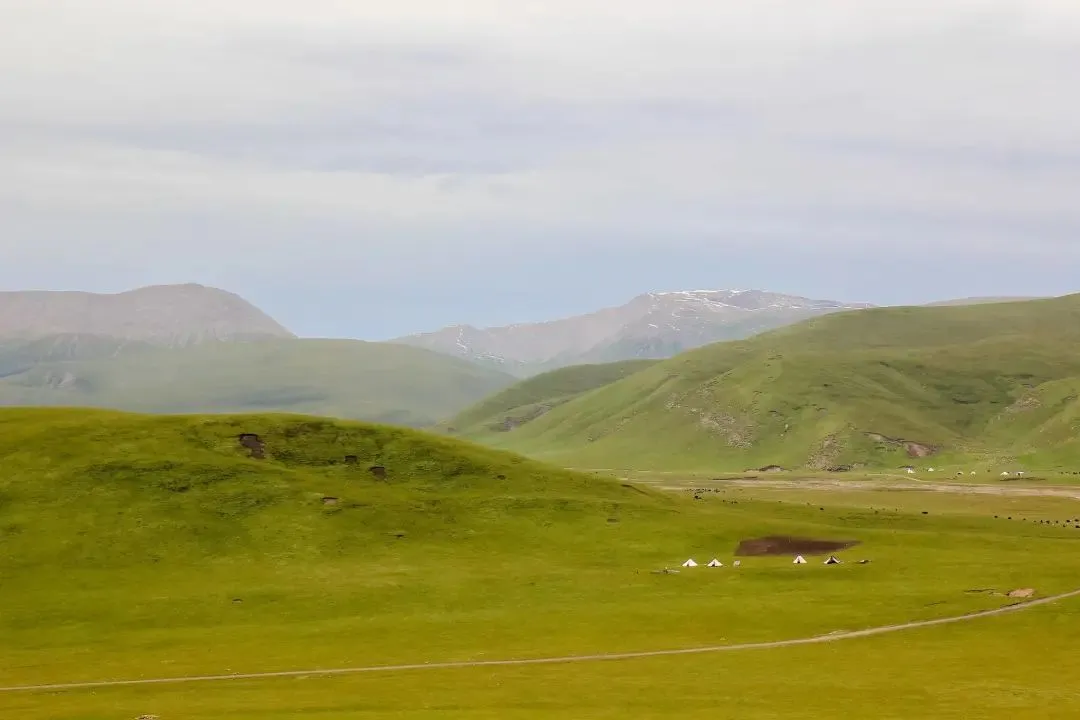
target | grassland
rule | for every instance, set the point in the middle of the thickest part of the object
(527, 400)
(343, 378)
(986, 387)
(155, 546)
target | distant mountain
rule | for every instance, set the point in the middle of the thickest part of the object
(190, 348)
(167, 315)
(651, 326)
(379, 382)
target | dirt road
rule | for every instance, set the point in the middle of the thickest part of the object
(832, 637)
(885, 485)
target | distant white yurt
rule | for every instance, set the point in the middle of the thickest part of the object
(832, 560)
(715, 563)
(690, 563)
(799, 560)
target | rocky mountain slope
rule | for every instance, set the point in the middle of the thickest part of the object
(651, 326)
(168, 315)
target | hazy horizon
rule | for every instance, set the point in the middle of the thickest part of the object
(373, 171)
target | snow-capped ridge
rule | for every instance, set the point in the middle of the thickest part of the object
(651, 325)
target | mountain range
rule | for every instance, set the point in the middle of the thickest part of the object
(165, 315)
(191, 348)
(985, 387)
(651, 326)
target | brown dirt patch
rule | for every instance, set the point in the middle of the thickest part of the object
(378, 471)
(252, 442)
(786, 545)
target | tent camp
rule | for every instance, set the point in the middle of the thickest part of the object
(832, 560)
(715, 563)
(799, 560)
(690, 563)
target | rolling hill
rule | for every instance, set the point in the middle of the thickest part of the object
(164, 548)
(191, 348)
(651, 326)
(170, 315)
(343, 378)
(527, 400)
(990, 386)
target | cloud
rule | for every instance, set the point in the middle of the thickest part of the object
(458, 130)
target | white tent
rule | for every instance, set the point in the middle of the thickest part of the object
(690, 563)
(832, 560)
(799, 560)
(715, 563)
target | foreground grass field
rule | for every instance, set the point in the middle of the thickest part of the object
(142, 547)
(1019, 666)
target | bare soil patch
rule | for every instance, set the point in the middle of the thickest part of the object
(787, 545)
(254, 444)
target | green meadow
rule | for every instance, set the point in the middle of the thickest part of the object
(377, 382)
(139, 547)
(991, 388)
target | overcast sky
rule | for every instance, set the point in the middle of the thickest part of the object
(368, 169)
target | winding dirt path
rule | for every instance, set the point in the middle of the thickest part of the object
(832, 637)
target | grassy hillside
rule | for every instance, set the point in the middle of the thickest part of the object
(986, 387)
(529, 399)
(157, 546)
(343, 378)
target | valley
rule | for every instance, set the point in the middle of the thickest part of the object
(246, 564)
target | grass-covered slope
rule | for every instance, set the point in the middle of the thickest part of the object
(529, 399)
(85, 488)
(990, 385)
(157, 546)
(380, 382)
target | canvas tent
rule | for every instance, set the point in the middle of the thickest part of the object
(715, 563)
(799, 560)
(832, 560)
(690, 563)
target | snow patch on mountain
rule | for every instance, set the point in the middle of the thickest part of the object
(654, 325)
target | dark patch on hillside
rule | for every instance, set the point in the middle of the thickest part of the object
(786, 545)
(252, 442)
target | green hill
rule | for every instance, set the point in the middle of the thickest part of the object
(529, 399)
(991, 385)
(344, 378)
(141, 547)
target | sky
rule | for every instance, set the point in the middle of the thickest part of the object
(368, 170)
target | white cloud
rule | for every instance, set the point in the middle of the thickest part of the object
(582, 122)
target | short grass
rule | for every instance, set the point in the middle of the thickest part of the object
(529, 399)
(1021, 666)
(987, 387)
(136, 546)
(379, 382)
